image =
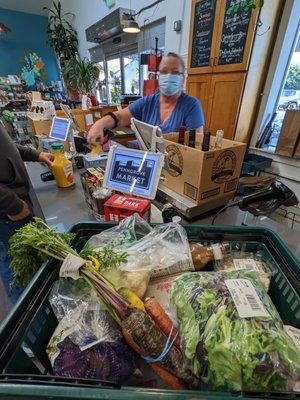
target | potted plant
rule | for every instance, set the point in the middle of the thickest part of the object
(82, 74)
(62, 36)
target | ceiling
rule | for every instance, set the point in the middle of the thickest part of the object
(29, 6)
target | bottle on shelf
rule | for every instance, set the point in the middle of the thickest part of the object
(206, 141)
(192, 138)
(62, 168)
(181, 135)
(202, 255)
(219, 138)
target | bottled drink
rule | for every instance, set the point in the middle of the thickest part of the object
(202, 255)
(219, 138)
(62, 168)
(192, 138)
(206, 141)
(181, 135)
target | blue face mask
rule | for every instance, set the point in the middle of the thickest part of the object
(170, 84)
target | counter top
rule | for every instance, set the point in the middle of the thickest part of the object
(65, 207)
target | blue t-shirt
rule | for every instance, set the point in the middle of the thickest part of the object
(187, 112)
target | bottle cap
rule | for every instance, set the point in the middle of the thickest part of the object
(176, 219)
(57, 146)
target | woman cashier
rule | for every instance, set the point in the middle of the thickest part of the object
(169, 109)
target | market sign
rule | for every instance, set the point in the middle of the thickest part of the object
(134, 172)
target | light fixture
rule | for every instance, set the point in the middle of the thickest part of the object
(131, 26)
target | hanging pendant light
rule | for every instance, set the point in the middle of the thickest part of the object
(130, 25)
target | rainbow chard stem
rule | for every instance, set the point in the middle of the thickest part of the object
(109, 295)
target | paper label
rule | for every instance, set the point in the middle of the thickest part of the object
(294, 333)
(70, 267)
(217, 251)
(179, 267)
(246, 299)
(246, 264)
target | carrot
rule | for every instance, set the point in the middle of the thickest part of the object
(145, 337)
(160, 317)
(168, 378)
(132, 343)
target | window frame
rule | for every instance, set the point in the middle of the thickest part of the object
(286, 41)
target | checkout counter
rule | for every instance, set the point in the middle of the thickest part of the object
(64, 207)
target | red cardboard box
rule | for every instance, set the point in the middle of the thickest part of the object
(120, 206)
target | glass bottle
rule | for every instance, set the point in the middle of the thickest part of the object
(62, 168)
(192, 138)
(206, 141)
(181, 135)
(219, 139)
(202, 255)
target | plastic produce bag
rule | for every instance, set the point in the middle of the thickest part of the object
(128, 231)
(87, 343)
(232, 334)
(164, 251)
(248, 261)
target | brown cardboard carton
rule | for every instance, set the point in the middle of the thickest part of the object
(290, 134)
(297, 151)
(208, 178)
(40, 127)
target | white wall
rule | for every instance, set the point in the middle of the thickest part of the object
(90, 11)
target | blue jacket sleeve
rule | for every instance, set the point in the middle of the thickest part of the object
(195, 117)
(136, 108)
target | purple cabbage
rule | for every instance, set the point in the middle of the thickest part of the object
(110, 361)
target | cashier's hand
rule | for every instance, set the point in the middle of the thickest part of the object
(46, 158)
(94, 133)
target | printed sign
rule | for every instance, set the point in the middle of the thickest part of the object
(133, 171)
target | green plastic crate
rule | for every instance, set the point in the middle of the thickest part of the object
(32, 322)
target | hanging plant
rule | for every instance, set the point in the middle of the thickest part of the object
(62, 36)
(243, 6)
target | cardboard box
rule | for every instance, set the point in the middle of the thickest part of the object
(40, 127)
(208, 178)
(297, 151)
(119, 206)
(290, 134)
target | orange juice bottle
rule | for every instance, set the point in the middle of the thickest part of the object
(62, 168)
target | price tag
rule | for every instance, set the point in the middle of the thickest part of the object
(246, 299)
(245, 263)
(70, 267)
(294, 333)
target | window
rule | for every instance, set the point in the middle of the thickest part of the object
(114, 80)
(101, 88)
(282, 87)
(289, 99)
(131, 73)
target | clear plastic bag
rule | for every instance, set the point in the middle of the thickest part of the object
(87, 343)
(248, 261)
(164, 251)
(232, 334)
(128, 231)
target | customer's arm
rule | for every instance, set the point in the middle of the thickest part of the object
(12, 205)
(123, 116)
(29, 154)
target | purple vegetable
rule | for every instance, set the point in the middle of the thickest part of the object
(111, 361)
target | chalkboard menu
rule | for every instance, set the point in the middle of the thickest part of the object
(234, 35)
(202, 33)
